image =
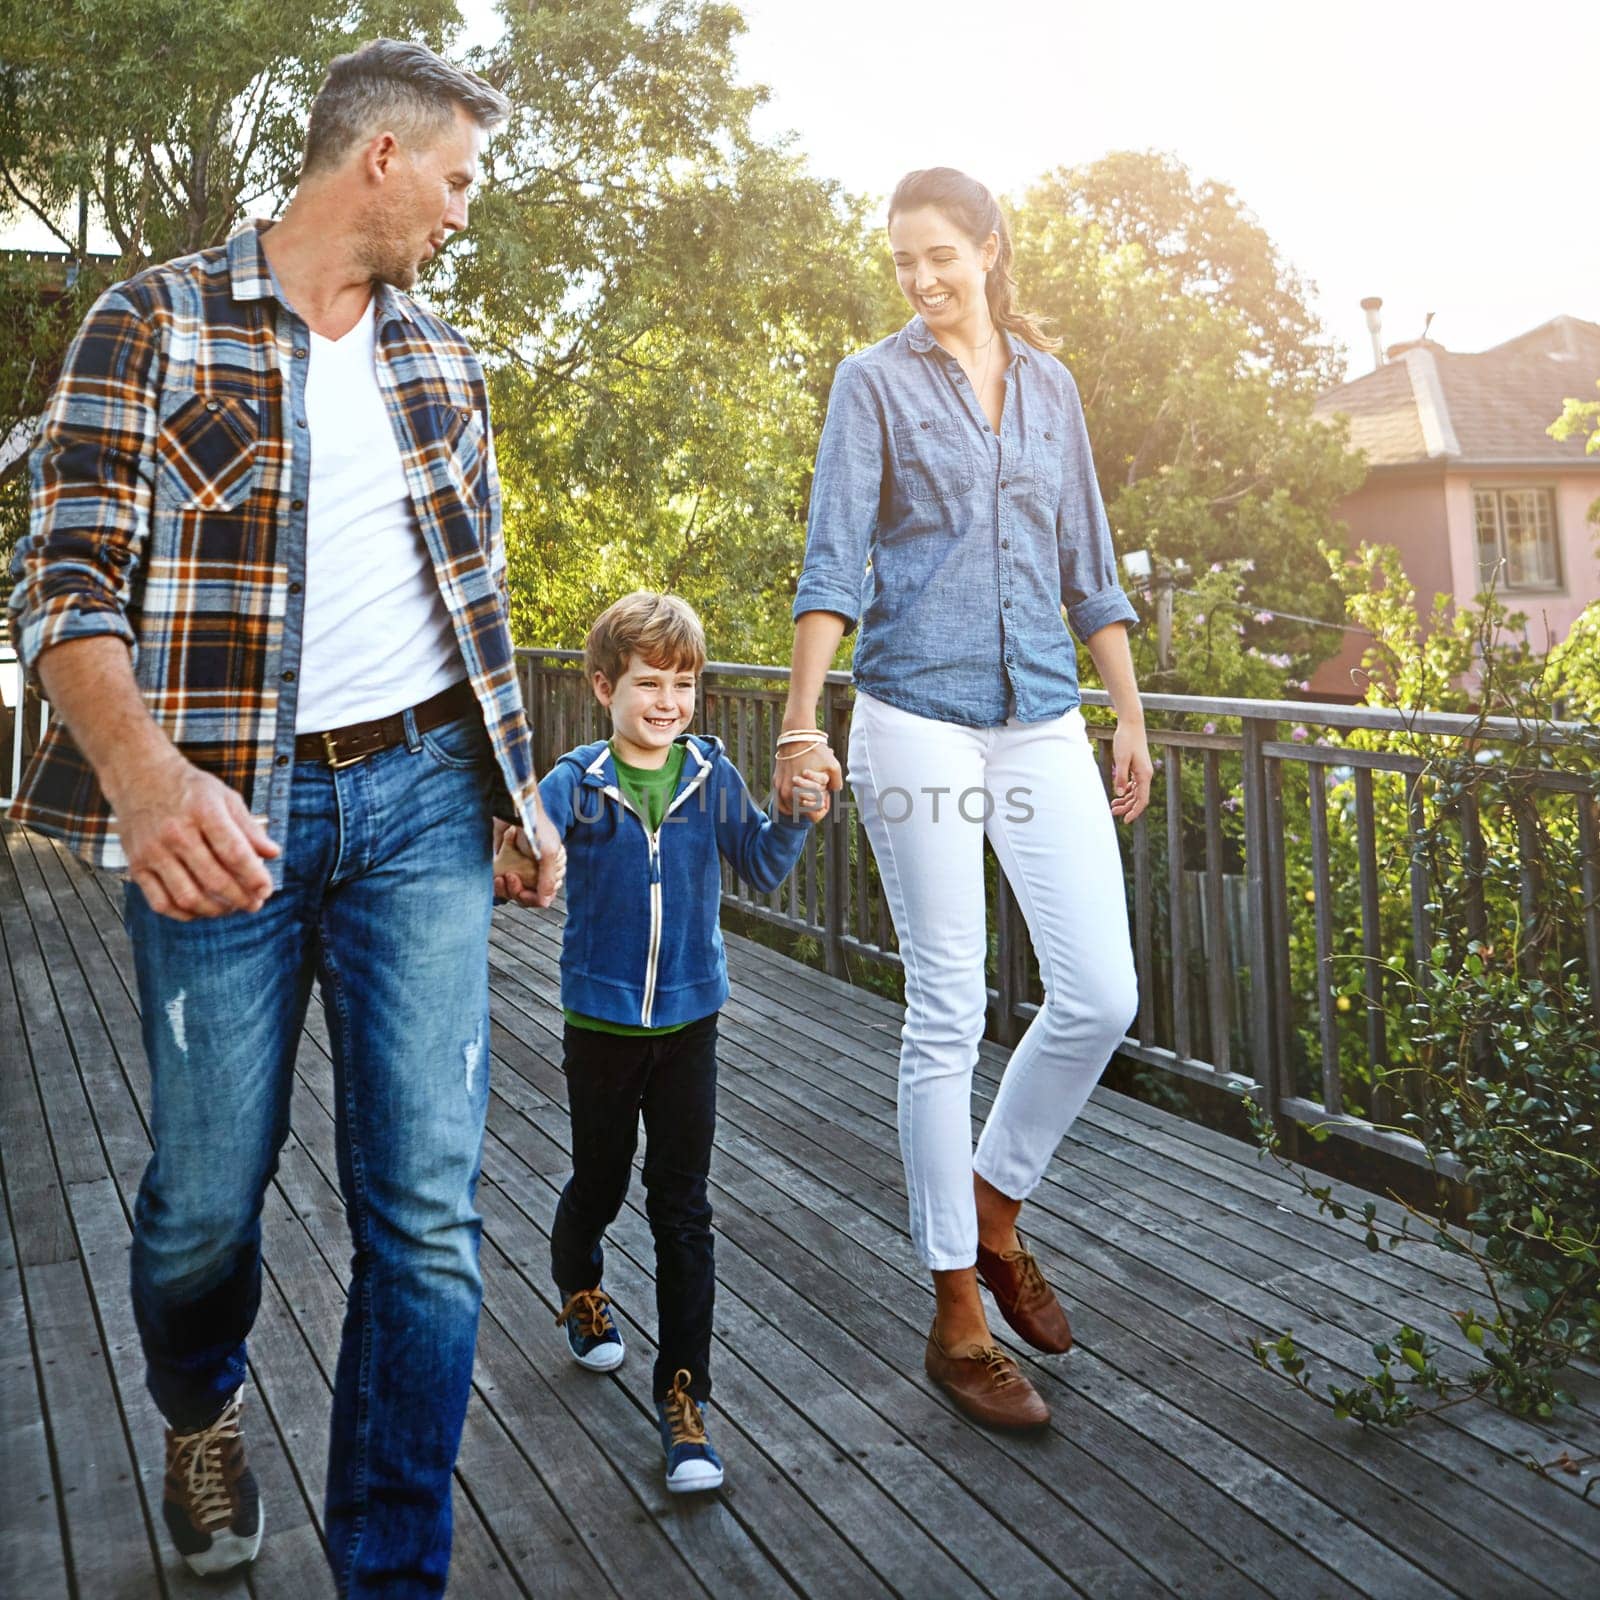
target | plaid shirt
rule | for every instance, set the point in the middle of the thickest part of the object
(169, 509)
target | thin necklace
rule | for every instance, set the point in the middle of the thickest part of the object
(988, 355)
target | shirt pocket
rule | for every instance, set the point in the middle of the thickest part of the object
(932, 460)
(206, 453)
(1044, 462)
(461, 429)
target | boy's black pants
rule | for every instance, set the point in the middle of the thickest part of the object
(672, 1079)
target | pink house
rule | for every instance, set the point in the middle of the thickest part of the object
(1465, 482)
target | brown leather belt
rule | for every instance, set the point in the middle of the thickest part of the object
(343, 747)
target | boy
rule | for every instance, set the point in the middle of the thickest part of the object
(644, 818)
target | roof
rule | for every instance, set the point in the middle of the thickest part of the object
(1491, 407)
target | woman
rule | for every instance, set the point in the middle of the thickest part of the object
(955, 459)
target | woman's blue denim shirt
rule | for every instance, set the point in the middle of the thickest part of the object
(956, 549)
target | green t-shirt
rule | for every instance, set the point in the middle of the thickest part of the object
(649, 791)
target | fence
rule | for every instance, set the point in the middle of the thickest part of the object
(1270, 974)
(1275, 895)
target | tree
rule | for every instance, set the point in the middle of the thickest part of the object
(663, 300)
(1198, 361)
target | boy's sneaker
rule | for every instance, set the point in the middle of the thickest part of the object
(591, 1330)
(692, 1464)
(211, 1505)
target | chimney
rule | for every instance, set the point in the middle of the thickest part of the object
(1372, 305)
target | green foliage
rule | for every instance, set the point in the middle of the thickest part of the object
(1572, 670)
(173, 116)
(663, 300)
(1581, 417)
(1493, 1044)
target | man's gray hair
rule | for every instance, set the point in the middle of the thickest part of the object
(391, 85)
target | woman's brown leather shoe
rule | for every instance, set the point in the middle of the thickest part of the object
(1026, 1301)
(987, 1384)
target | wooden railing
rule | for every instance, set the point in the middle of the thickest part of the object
(1240, 987)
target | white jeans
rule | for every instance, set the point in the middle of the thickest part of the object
(929, 790)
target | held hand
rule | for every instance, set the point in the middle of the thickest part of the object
(517, 875)
(810, 791)
(1132, 772)
(815, 765)
(191, 843)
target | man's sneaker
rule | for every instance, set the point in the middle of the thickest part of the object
(692, 1464)
(591, 1330)
(211, 1504)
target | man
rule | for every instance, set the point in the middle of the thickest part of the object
(268, 473)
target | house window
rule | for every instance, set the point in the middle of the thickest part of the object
(1517, 538)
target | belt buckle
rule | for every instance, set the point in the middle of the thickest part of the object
(333, 755)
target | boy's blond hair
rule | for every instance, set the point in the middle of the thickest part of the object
(660, 629)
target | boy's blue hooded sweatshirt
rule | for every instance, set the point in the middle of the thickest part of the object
(643, 944)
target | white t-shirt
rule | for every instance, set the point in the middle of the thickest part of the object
(377, 635)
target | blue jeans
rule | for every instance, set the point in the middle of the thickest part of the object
(672, 1079)
(385, 901)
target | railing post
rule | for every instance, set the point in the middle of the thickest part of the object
(835, 849)
(1258, 881)
(1009, 929)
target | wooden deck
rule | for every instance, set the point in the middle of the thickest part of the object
(1173, 1465)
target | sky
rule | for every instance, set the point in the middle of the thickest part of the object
(1431, 154)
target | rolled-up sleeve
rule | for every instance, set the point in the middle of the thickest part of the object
(844, 499)
(1089, 586)
(92, 481)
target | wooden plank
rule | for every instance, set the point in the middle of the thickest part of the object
(1219, 986)
(817, 1280)
(782, 1525)
(1499, 1426)
(43, 1231)
(33, 1556)
(1146, 1109)
(609, 1522)
(1178, 953)
(1528, 1437)
(755, 1276)
(104, 1229)
(287, 1505)
(1322, 918)
(1116, 1445)
(831, 1364)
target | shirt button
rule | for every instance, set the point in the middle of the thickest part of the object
(1006, 603)
(1005, 483)
(1005, 544)
(297, 505)
(299, 422)
(927, 424)
(282, 761)
(212, 405)
(288, 677)
(299, 352)
(294, 588)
